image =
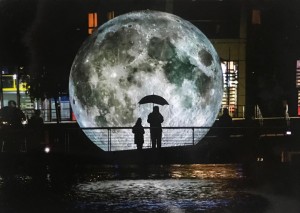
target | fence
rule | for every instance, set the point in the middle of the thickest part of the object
(65, 113)
(122, 138)
(49, 115)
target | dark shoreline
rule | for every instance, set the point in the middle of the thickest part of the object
(266, 182)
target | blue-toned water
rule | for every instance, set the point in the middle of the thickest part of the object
(133, 188)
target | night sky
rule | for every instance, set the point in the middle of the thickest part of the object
(44, 36)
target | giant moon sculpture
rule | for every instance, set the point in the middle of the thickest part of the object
(138, 54)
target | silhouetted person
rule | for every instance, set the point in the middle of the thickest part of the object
(225, 121)
(36, 121)
(286, 116)
(11, 120)
(36, 127)
(12, 116)
(138, 131)
(155, 119)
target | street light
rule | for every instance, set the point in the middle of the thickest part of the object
(1, 88)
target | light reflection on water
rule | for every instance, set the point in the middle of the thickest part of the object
(206, 171)
(131, 188)
(156, 194)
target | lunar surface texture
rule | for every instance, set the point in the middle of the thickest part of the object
(144, 53)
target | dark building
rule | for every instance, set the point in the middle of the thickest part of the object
(256, 40)
(223, 22)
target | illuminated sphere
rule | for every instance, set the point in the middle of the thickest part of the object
(144, 53)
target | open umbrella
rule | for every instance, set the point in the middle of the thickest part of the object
(155, 99)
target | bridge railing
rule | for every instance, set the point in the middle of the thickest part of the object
(122, 138)
(68, 139)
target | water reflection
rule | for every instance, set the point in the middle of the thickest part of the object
(130, 188)
(164, 188)
(220, 171)
(190, 171)
(156, 194)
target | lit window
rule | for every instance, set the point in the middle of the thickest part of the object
(230, 76)
(110, 15)
(256, 17)
(92, 22)
(298, 83)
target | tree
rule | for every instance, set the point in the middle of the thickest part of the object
(53, 40)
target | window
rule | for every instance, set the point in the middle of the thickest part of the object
(92, 22)
(110, 15)
(230, 76)
(298, 83)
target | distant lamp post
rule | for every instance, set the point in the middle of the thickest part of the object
(1, 89)
(16, 79)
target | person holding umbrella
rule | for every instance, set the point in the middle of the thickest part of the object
(155, 119)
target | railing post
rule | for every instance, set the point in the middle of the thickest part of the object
(67, 141)
(108, 139)
(193, 136)
(150, 137)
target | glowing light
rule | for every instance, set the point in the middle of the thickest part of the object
(47, 149)
(260, 159)
(126, 59)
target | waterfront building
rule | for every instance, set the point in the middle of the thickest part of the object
(239, 32)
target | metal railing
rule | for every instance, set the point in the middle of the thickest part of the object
(122, 138)
(49, 115)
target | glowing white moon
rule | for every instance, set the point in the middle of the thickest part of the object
(139, 54)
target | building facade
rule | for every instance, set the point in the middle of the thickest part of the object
(259, 60)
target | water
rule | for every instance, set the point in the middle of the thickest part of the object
(131, 188)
